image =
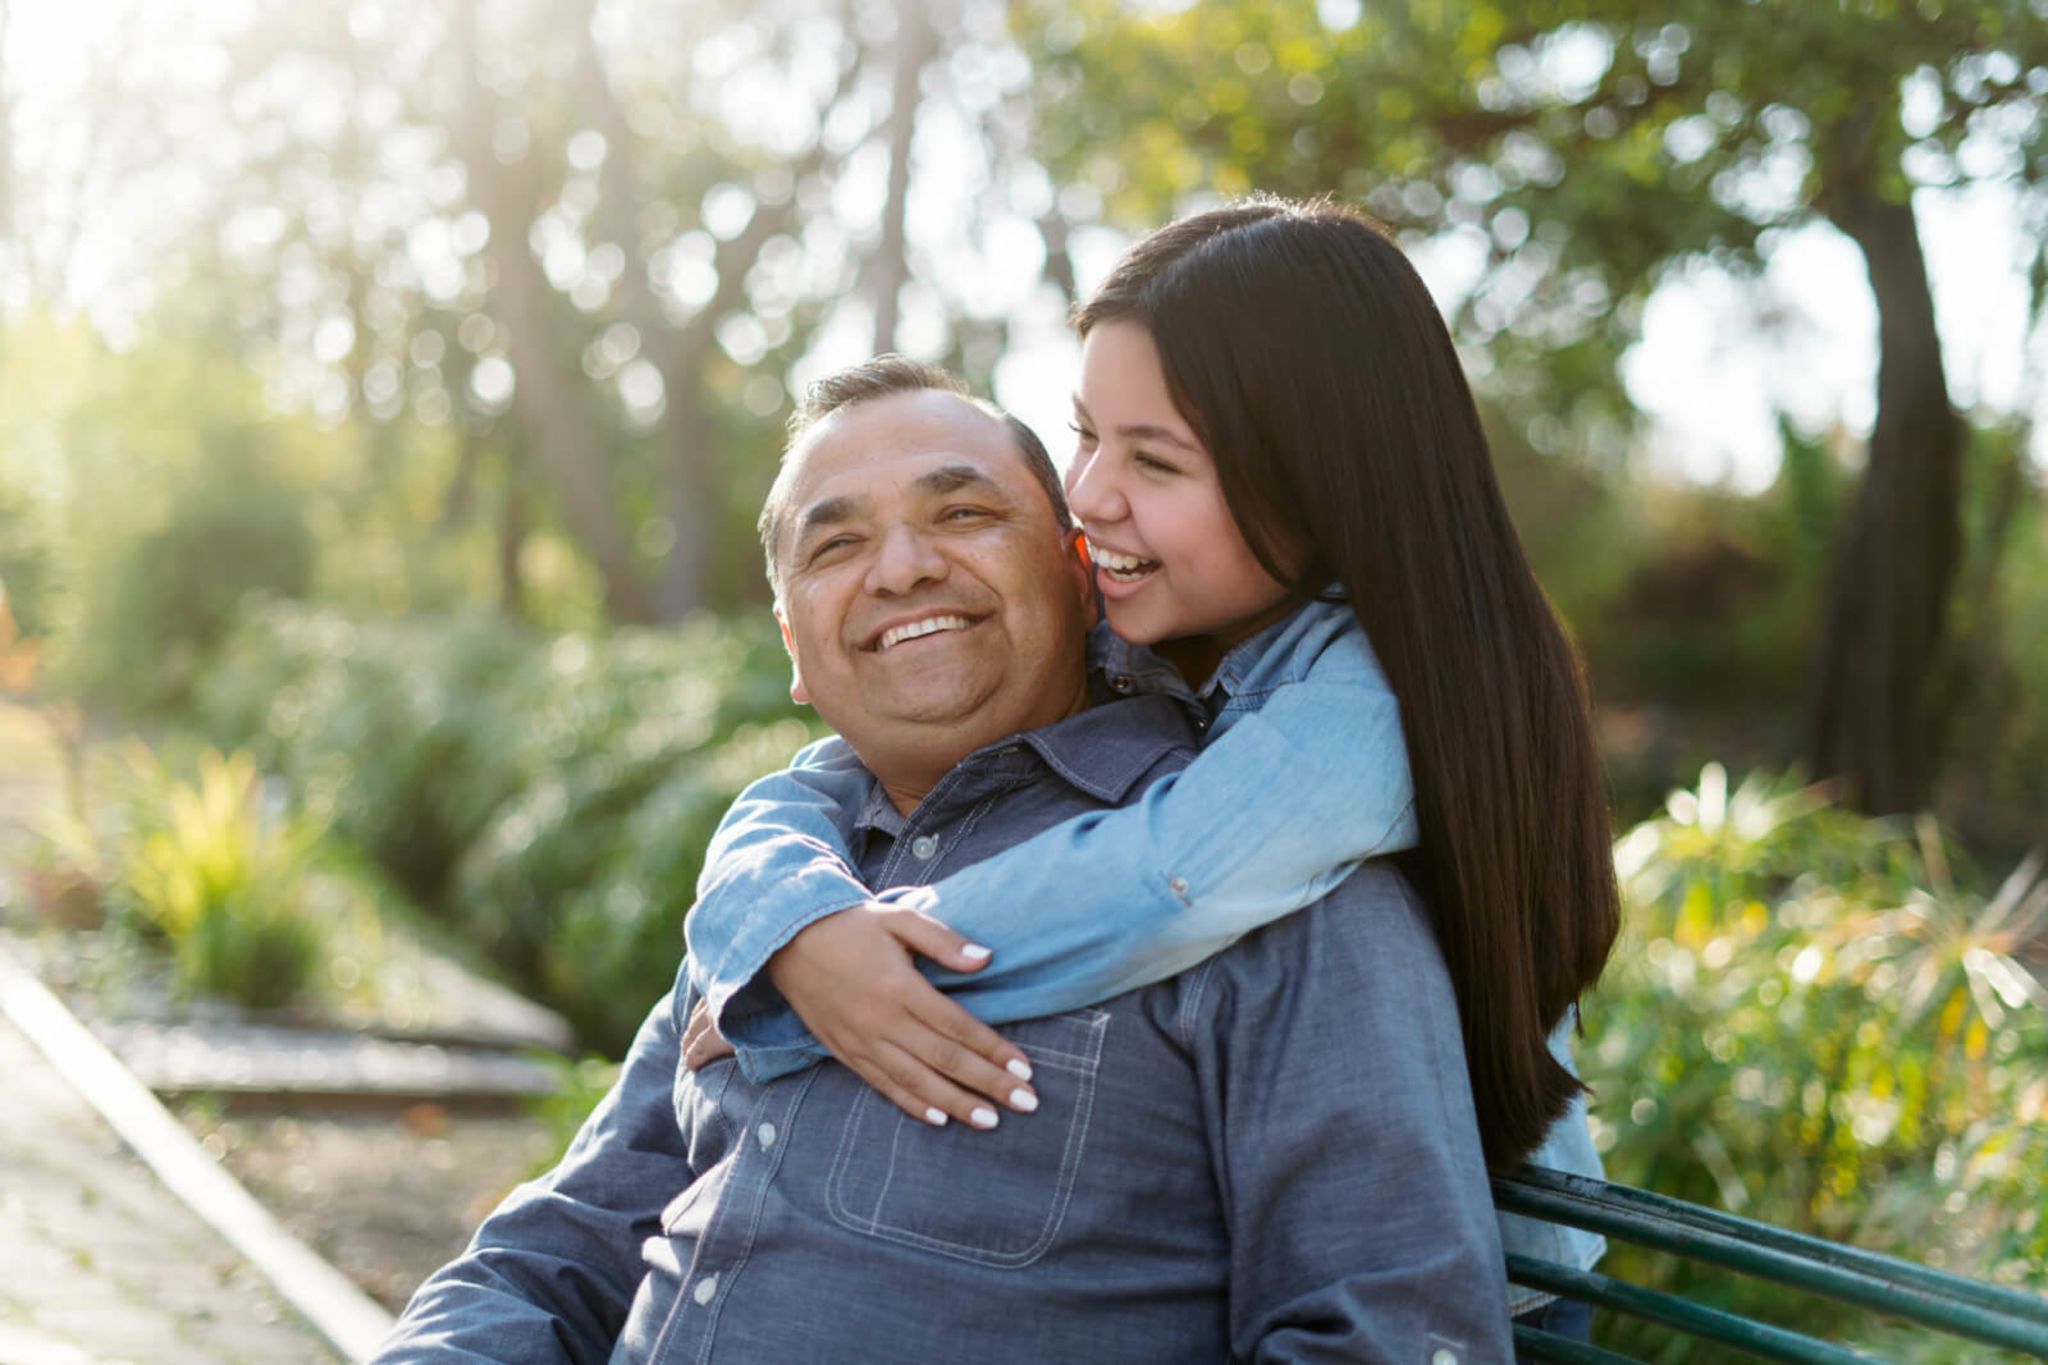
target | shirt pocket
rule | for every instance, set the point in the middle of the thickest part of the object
(994, 1198)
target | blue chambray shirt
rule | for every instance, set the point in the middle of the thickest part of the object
(1303, 773)
(1270, 1157)
(1300, 721)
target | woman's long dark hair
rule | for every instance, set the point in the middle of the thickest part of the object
(1305, 351)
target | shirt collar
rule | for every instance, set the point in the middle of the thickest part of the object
(1102, 751)
(1108, 747)
(878, 814)
(1244, 658)
(1130, 667)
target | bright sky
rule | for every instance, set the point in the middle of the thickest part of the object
(1717, 361)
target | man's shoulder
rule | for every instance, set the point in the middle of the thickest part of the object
(831, 754)
(1372, 926)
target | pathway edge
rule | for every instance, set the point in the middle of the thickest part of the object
(349, 1319)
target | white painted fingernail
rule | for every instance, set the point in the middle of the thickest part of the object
(983, 1117)
(1019, 1068)
(974, 952)
(1021, 1098)
(935, 1117)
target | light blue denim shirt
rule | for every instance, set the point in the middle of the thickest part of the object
(1303, 774)
(1220, 1166)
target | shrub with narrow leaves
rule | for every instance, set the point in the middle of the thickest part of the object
(1811, 1019)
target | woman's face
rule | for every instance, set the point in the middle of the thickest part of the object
(1168, 556)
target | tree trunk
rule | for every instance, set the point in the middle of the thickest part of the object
(547, 402)
(891, 265)
(514, 521)
(1895, 557)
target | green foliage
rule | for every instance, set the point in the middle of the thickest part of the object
(580, 1086)
(25, 562)
(1995, 781)
(223, 882)
(1808, 1021)
(548, 798)
(401, 733)
(1715, 609)
(171, 593)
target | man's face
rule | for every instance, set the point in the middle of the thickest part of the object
(930, 602)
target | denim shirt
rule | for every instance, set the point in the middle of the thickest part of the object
(1115, 900)
(1219, 1168)
(1303, 774)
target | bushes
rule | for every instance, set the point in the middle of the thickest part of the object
(400, 734)
(170, 595)
(1810, 1021)
(549, 798)
(222, 882)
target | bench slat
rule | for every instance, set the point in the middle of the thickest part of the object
(1997, 1298)
(1710, 1324)
(1883, 1284)
(1532, 1343)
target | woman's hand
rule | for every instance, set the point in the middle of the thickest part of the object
(850, 977)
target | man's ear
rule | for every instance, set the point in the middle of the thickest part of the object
(797, 693)
(1077, 548)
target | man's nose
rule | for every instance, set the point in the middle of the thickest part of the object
(905, 560)
(1092, 494)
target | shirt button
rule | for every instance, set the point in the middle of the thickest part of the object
(765, 1134)
(923, 847)
(1121, 682)
(707, 1290)
(1178, 885)
(1443, 1355)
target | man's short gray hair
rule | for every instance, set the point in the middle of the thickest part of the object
(879, 378)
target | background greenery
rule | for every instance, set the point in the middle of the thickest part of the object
(1814, 1020)
(386, 393)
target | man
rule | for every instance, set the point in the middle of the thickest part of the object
(1272, 1156)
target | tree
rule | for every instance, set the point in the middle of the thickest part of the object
(592, 237)
(1596, 146)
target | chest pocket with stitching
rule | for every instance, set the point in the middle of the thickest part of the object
(995, 1198)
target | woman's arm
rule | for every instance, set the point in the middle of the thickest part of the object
(777, 863)
(794, 958)
(1273, 813)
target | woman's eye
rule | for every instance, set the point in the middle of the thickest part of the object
(964, 513)
(1153, 464)
(1087, 437)
(831, 546)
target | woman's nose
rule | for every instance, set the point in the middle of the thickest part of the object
(1091, 492)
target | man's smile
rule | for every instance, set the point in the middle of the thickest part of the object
(917, 628)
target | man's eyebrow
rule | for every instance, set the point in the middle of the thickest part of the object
(954, 477)
(829, 512)
(1142, 431)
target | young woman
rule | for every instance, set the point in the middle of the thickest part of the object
(1279, 459)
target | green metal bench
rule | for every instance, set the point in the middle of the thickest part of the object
(1885, 1285)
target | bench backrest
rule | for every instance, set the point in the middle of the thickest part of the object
(1885, 1285)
